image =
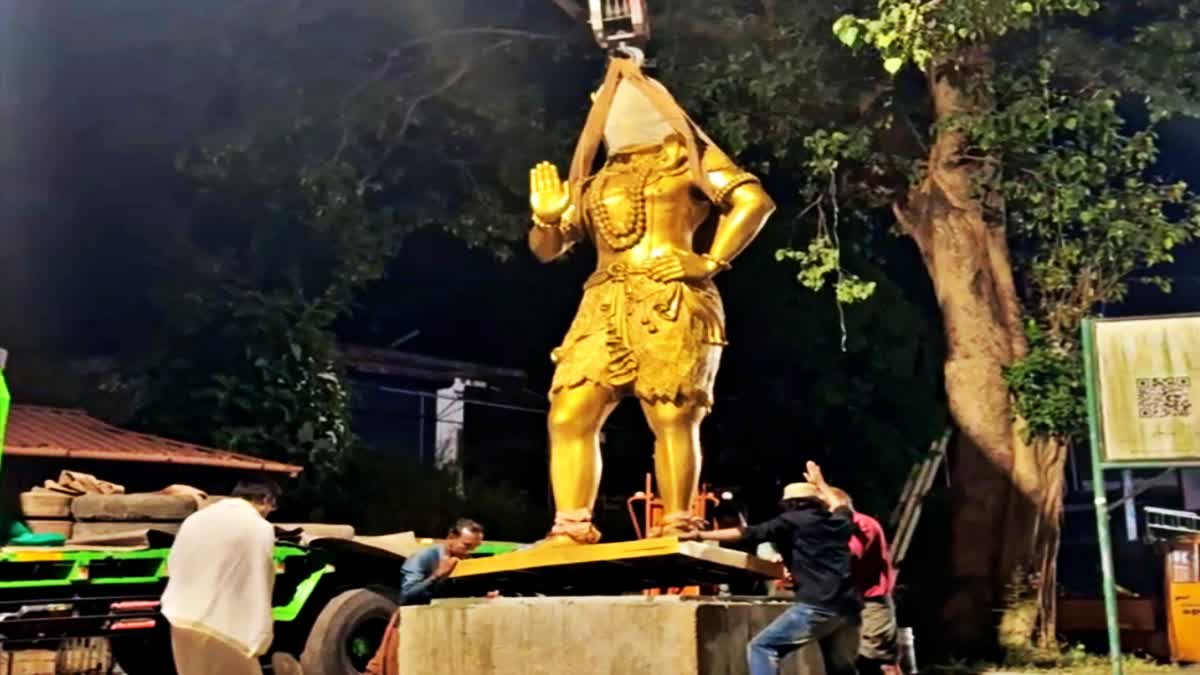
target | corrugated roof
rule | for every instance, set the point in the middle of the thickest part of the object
(34, 431)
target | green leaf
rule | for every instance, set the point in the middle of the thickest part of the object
(893, 65)
(848, 35)
(1025, 8)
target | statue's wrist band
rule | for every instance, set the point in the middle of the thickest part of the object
(543, 225)
(722, 265)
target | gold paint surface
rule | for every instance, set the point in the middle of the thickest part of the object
(549, 556)
(650, 325)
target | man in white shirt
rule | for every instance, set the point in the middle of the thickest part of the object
(221, 574)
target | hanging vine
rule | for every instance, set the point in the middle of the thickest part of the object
(822, 257)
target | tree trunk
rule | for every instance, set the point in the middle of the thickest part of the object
(1032, 528)
(1007, 491)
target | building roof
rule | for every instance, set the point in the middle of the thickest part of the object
(34, 431)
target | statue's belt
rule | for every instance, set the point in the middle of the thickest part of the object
(622, 271)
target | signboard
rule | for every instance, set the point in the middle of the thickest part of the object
(1147, 384)
(1143, 387)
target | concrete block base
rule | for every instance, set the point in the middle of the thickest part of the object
(611, 635)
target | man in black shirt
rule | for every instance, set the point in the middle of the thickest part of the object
(813, 534)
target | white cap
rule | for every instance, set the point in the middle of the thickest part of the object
(800, 491)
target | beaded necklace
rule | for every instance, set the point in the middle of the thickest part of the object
(625, 234)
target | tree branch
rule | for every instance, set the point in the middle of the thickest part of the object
(572, 9)
(389, 62)
(449, 82)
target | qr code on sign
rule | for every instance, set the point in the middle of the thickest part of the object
(1164, 396)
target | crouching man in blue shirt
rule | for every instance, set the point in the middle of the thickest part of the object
(421, 576)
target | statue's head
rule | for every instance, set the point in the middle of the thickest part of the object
(634, 120)
(637, 111)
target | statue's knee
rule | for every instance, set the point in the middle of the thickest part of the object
(567, 421)
(670, 417)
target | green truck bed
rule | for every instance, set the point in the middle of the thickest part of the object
(330, 605)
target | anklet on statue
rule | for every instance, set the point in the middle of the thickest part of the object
(573, 527)
(679, 523)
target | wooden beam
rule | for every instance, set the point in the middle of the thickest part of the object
(624, 566)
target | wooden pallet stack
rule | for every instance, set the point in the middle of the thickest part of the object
(85, 509)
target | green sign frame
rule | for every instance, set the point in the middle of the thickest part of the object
(5, 400)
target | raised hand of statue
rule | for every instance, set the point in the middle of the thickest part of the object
(549, 195)
(679, 265)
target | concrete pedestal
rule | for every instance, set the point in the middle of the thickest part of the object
(622, 635)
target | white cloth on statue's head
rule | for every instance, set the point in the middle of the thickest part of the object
(633, 120)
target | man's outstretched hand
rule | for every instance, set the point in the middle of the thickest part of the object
(812, 473)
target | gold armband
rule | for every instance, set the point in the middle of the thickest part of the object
(738, 180)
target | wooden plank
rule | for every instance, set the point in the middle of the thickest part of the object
(905, 494)
(921, 484)
(608, 568)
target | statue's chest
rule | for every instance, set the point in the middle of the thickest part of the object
(631, 194)
(614, 187)
(625, 198)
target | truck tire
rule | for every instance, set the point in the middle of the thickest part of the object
(108, 508)
(347, 632)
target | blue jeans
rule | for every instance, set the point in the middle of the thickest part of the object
(836, 633)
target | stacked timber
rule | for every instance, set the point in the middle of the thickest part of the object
(101, 516)
(47, 512)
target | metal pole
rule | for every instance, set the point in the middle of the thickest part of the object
(1129, 497)
(1101, 499)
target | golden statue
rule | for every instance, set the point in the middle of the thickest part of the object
(650, 323)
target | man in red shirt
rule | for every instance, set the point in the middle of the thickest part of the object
(873, 574)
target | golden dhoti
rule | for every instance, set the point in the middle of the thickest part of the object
(660, 341)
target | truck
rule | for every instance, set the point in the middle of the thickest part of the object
(96, 608)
